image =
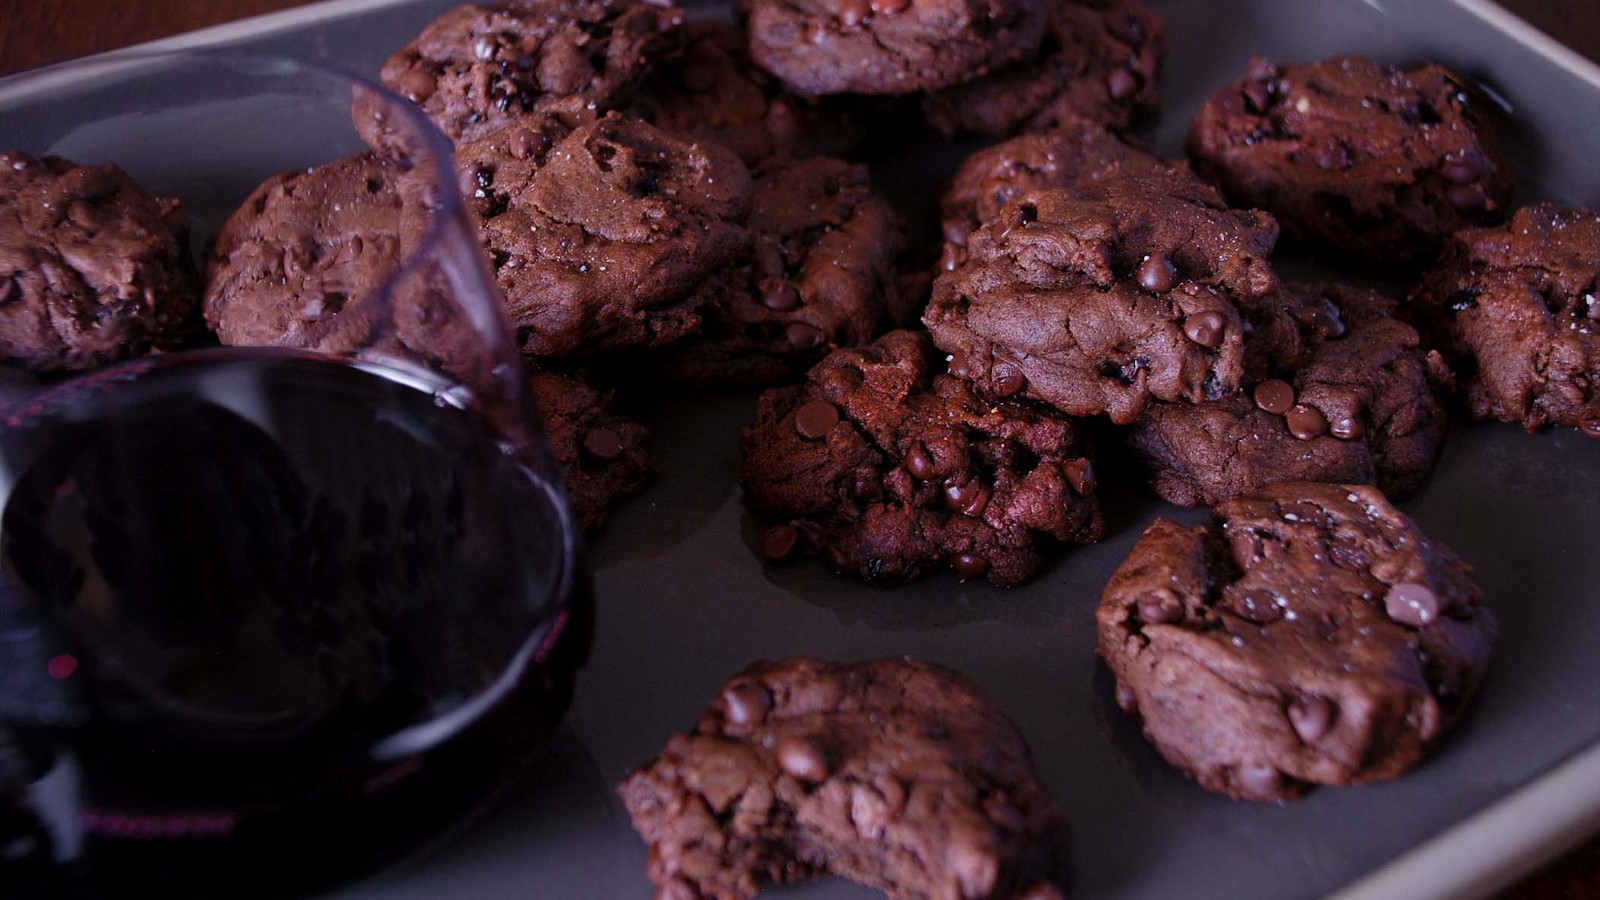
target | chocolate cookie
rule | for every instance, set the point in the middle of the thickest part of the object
(1099, 61)
(93, 269)
(601, 454)
(1076, 152)
(1517, 310)
(714, 92)
(600, 241)
(821, 274)
(480, 66)
(1336, 390)
(1101, 297)
(1315, 637)
(1350, 154)
(896, 774)
(889, 46)
(890, 467)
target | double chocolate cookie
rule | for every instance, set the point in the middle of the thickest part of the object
(93, 268)
(479, 66)
(889, 46)
(896, 774)
(1374, 162)
(713, 92)
(1517, 310)
(600, 240)
(1313, 636)
(821, 274)
(1076, 152)
(1099, 61)
(602, 454)
(890, 467)
(1336, 390)
(1102, 297)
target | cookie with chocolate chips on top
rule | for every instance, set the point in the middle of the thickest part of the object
(480, 66)
(821, 275)
(1517, 311)
(602, 454)
(889, 46)
(1376, 163)
(1336, 389)
(600, 239)
(891, 468)
(897, 774)
(1100, 62)
(1105, 296)
(93, 268)
(1312, 636)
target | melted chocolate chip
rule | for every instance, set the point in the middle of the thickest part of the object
(1160, 609)
(780, 295)
(815, 419)
(1310, 715)
(890, 7)
(1008, 379)
(1410, 603)
(602, 443)
(1275, 396)
(1122, 84)
(969, 494)
(802, 336)
(1205, 329)
(1080, 476)
(1258, 781)
(1257, 606)
(968, 566)
(854, 12)
(779, 542)
(1306, 422)
(802, 759)
(918, 462)
(1157, 274)
(747, 703)
(1346, 428)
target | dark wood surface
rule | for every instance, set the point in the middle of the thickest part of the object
(38, 32)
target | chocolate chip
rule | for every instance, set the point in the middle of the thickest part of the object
(1257, 606)
(968, 494)
(602, 443)
(1008, 379)
(780, 295)
(854, 12)
(1159, 609)
(1157, 274)
(1306, 422)
(779, 542)
(890, 7)
(1467, 197)
(815, 419)
(1463, 169)
(1310, 715)
(950, 257)
(1275, 396)
(963, 365)
(1346, 428)
(1410, 603)
(1258, 781)
(418, 85)
(747, 703)
(802, 759)
(1333, 156)
(1590, 427)
(867, 488)
(968, 566)
(802, 336)
(918, 462)
(1122, 84)
(527, 143)
(1205, 329)
(1080, 476)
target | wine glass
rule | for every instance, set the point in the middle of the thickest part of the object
(273, 614)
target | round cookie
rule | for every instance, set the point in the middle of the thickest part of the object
(889, 46)
(821, 274)
(93, 268)
(1336, 390)
(1517, 311)
(1099, 61)
(479, 66)
(896, 774)
(713, 92)
(1312, 636)
(602, 454)
(890, 467)
(1076, 152)
(1102, 297)
(1373, 162)
(603, 244)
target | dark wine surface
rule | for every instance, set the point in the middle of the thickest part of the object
(259, 607)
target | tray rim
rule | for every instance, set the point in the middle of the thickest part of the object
(1474, 858)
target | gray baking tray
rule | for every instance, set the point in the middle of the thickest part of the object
(684, 602)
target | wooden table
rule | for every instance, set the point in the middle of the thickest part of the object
(39, 32)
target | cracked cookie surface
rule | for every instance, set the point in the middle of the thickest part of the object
(1517, 310)
(1336, 389)
(93, 268)
(1101, 297)
(1313, 635)
(888, 467)
(889, 46)
(897, 774)
(1377, 163)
